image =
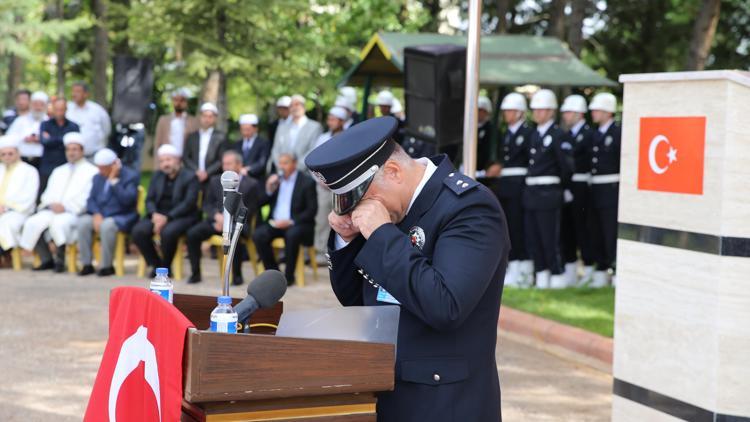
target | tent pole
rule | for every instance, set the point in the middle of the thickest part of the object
(472, 88)
(366, 97)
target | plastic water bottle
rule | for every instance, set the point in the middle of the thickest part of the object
(223, 317)
(162, 285)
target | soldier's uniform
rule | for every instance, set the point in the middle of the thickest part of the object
(443, 264)
(605, 178)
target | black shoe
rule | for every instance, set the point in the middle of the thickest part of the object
(195, 278)
(44, 266)
(237, 280)
(59, 267)
(105, 272)
(86, 270)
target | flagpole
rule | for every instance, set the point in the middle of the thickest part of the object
(472, 88)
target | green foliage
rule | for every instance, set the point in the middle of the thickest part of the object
(590, 309)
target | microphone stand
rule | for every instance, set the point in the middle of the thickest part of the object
(229, 256)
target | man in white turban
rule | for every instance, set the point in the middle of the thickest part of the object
(19, 185)
(63, 200)
(25, 129)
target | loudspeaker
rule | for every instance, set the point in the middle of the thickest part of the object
(132, 88)
(434, 93)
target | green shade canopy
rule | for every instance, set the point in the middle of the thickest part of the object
(505, 60)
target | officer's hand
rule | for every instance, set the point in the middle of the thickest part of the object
(342, 224)
(369, 215)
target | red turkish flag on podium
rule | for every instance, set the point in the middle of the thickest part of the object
(140, 377)
(671, 154)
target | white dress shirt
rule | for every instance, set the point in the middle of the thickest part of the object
(294, 130)
(205, 139)
(22, 127)
(177, 131)
(94, 123)
(542, 129)
(283, 208)
(603, 128)
(577, 127)
(515, 126)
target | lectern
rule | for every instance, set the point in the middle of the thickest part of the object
(261, 377)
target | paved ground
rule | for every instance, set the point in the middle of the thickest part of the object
(54, 329)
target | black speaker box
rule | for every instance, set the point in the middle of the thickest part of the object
(132, 88)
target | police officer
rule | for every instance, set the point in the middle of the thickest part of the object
(514, 156)
(550, 165)
(605, 184)
(575, 230)
(485, 130)
(419, 234)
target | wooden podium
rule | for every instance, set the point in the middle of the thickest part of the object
(260, 377)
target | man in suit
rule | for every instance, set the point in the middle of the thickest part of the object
(174, 128)
(52, 132)
(282, 117)
(111, 207)
(253, 149)
(605, 185)
(171, 209)
(203, 148)
(550, 165)
(297, 136)
(575, 226)
(213, 208)
(419, 234)
(293, 207)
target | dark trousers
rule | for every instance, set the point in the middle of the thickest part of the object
(604, 225)
(293, 238)
(143, 233)
(514, 214)
(45, 255)
(195, 236)
(568, 235)
(581, 212)
(543, 239)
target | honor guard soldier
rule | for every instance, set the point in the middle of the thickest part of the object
(418, 234)
(605, 184)
(575, 225)
(550, 165)
(514, 156)
(485, 129)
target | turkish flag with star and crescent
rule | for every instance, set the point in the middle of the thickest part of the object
(671, 154)
(140, 377)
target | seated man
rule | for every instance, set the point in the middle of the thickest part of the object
(170, 209)
(19, 183)
(293, 206)
(111, 208)
(213, 208)
(63, 200)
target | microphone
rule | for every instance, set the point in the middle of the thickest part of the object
(263, 292)
(230, 181)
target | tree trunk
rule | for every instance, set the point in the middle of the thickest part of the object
(703, 34)
(501, 9)
(433, 9)
(101, 52)
(575, 31)
(61, 49)
(214, 91)
(557, 20)
(15, 77)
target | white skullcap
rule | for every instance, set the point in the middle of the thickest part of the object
(298, 97)
(182, 92)
(8, 142)
(284, 101)
(384, 98)
(344, 102)
(105, 157)
(339, 112)
(210, 107)
(168, 149)
(39, 96)
(73, 138)
(249, 119)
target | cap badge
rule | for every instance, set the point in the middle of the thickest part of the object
(319, 177)
(547, 141)
(416, 236)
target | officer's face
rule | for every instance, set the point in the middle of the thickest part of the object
(391, 190)
(599, 116)
(512, 116)
(385, 110)
(543, 115)
(483, 115)
(570, 118)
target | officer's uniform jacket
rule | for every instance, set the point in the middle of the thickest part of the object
(514, 156)
(549, 158)
(605, 167)
(445, 264)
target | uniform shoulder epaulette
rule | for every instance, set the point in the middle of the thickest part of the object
(460, 183)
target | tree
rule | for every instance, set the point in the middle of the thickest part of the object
(578, 12)
(703, 34)
(101, 51)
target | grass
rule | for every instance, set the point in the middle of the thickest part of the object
(590, 309)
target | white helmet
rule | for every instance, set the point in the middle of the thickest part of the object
(604, 101)
(385, 98)
(544, 99)
(396, 107)
(350, 93)
(514, 101)
(485, 104)
(575, 103)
